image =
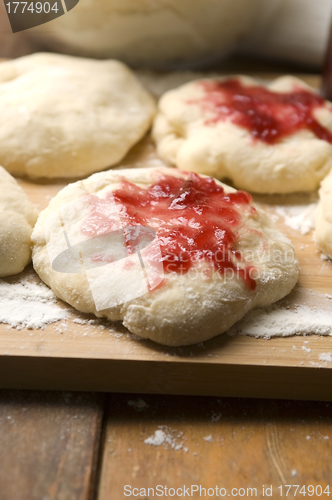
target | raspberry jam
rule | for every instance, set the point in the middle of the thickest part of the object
(194, 219)
(269, 116)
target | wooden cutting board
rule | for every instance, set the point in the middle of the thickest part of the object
(105, 357)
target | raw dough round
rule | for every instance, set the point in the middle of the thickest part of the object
(158, 33)
(17, 218)
(188, 306)
(323, 226)
(62, 116)
(190, 134)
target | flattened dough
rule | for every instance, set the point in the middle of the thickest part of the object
(62, 116)
(151, 33)
(323, 231)
(188, 136)
(17, 218)
(187, 307)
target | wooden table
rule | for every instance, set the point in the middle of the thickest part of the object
(84, 446)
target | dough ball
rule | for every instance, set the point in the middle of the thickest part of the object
(323, 232)
(62, 116)
(215, 256)
(158, 33)
(272, 139)
(17, 218)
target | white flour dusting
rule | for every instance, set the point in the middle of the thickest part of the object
(29, 305)
(80, 321)
(208, 439)
(157, 439)
(168, 438)
(326, 356)
(279, 321)
(298, 217)
(32, 305)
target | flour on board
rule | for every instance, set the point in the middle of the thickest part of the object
(168, 438)
(29, 305)
(298, 217)
(281, 320)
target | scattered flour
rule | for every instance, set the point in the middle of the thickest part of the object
(278, 320)
(306, 349)
(158, 439)
(326, 356)
(167, 438)
(80, 321)
(298, 217)
(208, 438)
(29, 305)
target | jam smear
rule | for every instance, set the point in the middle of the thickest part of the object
(268, 115)
(194, 220)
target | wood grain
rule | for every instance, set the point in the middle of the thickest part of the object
(250, 443)
(49, 445)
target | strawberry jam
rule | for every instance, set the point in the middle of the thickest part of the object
(269, 116)
(194, 218)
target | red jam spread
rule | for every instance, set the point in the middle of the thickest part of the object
(194, 219)
(268, 115)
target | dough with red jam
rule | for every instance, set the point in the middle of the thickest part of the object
(17, 218)
(265, 139)
(323, 223)
(218, 255)
(63, 116)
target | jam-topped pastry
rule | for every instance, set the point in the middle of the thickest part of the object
(177, 256)
(195, 220)
(274, 138)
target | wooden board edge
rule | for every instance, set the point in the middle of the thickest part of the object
(151, 377)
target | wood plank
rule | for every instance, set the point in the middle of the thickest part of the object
(49, 445)
(105, 357)
(252, 443)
